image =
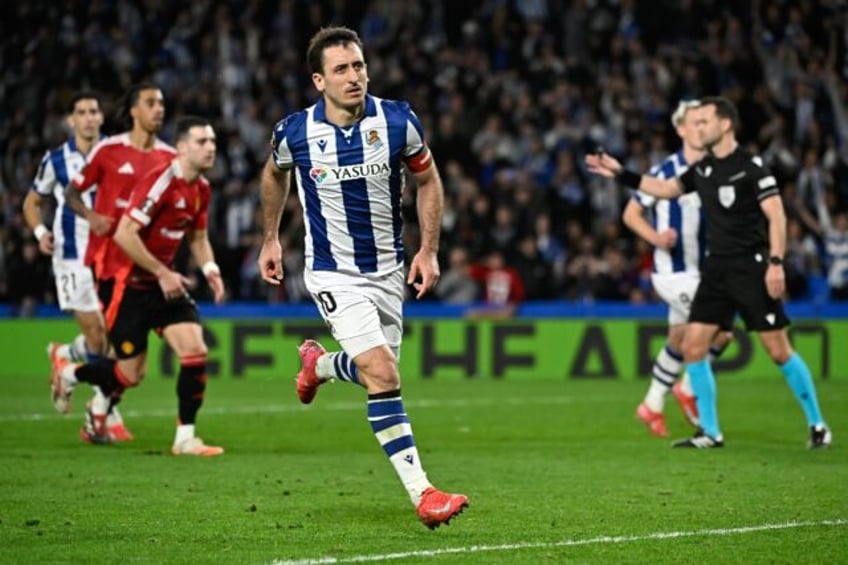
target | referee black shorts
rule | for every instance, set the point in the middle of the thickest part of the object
(737, 285)
(139, 310)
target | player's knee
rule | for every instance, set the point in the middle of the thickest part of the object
(694, 351)
(382, 372)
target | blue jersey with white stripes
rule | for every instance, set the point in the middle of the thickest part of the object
(683, 214)
(57, 168)
(349, 182)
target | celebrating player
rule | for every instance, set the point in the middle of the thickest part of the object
(348, 152)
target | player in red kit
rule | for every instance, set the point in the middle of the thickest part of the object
(171, 202)
(114, 167)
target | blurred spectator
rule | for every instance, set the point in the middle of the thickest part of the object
(502, 285)
(456, 285)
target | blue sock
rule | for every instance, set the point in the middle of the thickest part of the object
(345, 369)
(391, 428)
(801, 382)
(703, 385)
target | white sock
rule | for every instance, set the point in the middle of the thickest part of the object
(686, 384)
(324, 368)
(655, 399)
(78, 349)
(184, 432)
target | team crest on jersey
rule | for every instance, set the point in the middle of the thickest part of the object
(318, 175)
(127, 347)
(373, 139)
(727, 195)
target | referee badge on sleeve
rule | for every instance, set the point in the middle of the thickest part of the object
(727, 195)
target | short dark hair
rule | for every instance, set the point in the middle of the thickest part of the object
(83, 95)
(135, 91)
(187, 122)
(724, 109)
(328, 37)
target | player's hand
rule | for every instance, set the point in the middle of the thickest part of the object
(775, 281)
(99, 223)
(425, 266)
(603, 164)
(666, 239)
(271, 261)
(173, 284)
(216, 283)
(45, 244)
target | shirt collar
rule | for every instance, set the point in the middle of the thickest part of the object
(320, 114)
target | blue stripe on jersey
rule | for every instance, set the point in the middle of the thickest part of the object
(69, 219)
(322, 258)
(396, 125)
(675, 220)
(356, 204)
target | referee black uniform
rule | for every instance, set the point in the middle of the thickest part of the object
(733, 274)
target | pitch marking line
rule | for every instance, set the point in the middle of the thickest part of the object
(329, 407)
(564, 543)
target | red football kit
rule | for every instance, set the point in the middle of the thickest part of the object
(166, 206)
(115, 166)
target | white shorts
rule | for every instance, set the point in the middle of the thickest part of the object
(677, 290)
(75, 286)
(361, 312)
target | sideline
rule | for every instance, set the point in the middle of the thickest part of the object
(564, 543)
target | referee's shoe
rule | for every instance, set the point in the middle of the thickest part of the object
(700, 441)
(820, 436)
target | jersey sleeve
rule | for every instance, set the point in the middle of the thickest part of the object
(764, 181)
(147, 197)
(280, 149)
(90, 174)
(687, 179)
(45, 178)
(201, 218)
(416, 154)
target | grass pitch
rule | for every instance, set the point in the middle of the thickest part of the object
(555, 471)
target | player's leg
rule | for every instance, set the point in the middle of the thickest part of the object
(696, 345)
(666, 367)
(183, 332)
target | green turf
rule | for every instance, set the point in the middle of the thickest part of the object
(555, 471)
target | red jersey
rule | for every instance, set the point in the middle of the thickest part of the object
(115, 166)
(167, 206)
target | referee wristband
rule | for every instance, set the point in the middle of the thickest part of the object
(210, 268)
(629, 179)
(40, 231)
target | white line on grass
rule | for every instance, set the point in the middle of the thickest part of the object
(330, 407)
(563, 543)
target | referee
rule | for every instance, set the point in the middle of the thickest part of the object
(743, 270)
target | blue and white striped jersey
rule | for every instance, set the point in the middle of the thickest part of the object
(349, 182)
(683, 214)
(58, 167)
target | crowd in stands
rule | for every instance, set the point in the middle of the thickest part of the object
(511, 94)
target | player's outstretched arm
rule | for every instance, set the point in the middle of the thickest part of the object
(605, 165)
(424, 271)
(273, 192)
(201, 250)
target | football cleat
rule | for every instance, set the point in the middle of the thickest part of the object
(820, 436)
(436, 507)
(654, 420)
(94, 430)
(700, 441)
(687, 402)
(195, 446)
(116, 428)
(61, 388)
(307, 381)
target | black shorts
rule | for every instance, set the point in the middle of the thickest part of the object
(105, 288)
(737, 285)
(139, 310)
